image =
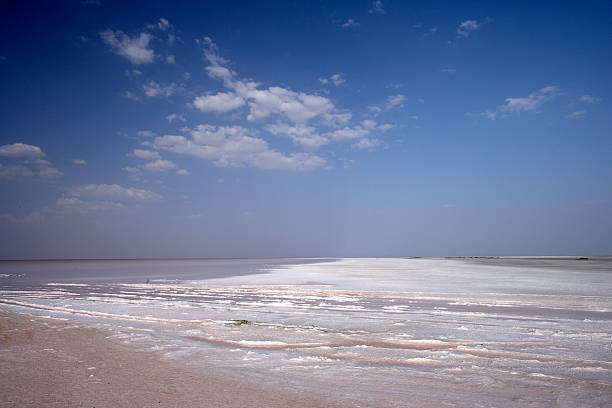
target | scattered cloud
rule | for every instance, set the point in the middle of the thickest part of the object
(350, 23)
(377, 8)
(134, 49)
(153, 90)
(145, 154)
(160, 165)
(182, 172)
(21, 151)
(577, 114)
(219, 103)
(235, 146)
(170, 59)
(176, 117)
(35, 216)
(80, 162)
(448, 70)
(113, 192)
(366, 143)
(589, 99)
(531, 102)
(132, 96)
(146, 133)
(335, 79)
(298, 107)
(393, 101)
(30, 163)
(301, 134)
(467, 27)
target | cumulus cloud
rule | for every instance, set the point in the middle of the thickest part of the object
(134, 49)
(145, 133)
(182, 172)
(21, 151)
(153, 89)
(350, 23)
(531, 102)
(160, 165)
(80, 162)
(113, 192)
(366, 143)
(145, 154)
(30, 163)
(377, 8)
(301, 134)
(235, 146)
(219, 103)
(467, 27)
(298, 107)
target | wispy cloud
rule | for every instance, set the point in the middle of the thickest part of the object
(350, 23)
(589, 99)
(377, 8)
(135, 49)
(577, 114)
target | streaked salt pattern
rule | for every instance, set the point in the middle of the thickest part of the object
(374, 332)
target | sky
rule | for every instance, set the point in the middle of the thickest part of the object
(305, 129)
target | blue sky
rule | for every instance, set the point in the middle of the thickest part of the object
(257, 129)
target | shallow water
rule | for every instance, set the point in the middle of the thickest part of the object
(369, 332)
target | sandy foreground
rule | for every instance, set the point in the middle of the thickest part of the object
(53, 363)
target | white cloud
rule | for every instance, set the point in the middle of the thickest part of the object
(145, 154)
(73, 204)
(235, 146)
(145, 133)
(298, 107)
(133, 170)
(132, 96)
(589, 99)
(170, 59)
(531, 102)
(395, 101)
(152, 89)
(301, 134)
(182, 172)
(377, 8)
(347, 133)
(368, 124)
(384, 127)
(35, 216)
(113, 192)
(350, 23)
(30, 164)
(15, 172)
(577, 114)
(466, 27)
(21, 151)
(448, 70)
(176, 117)
(162, 24)
(80, 162)
(366, 143)
(219, 103)
(336, 79)
(160, 165)
(135, 49)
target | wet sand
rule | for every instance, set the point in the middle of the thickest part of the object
(52, 363)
